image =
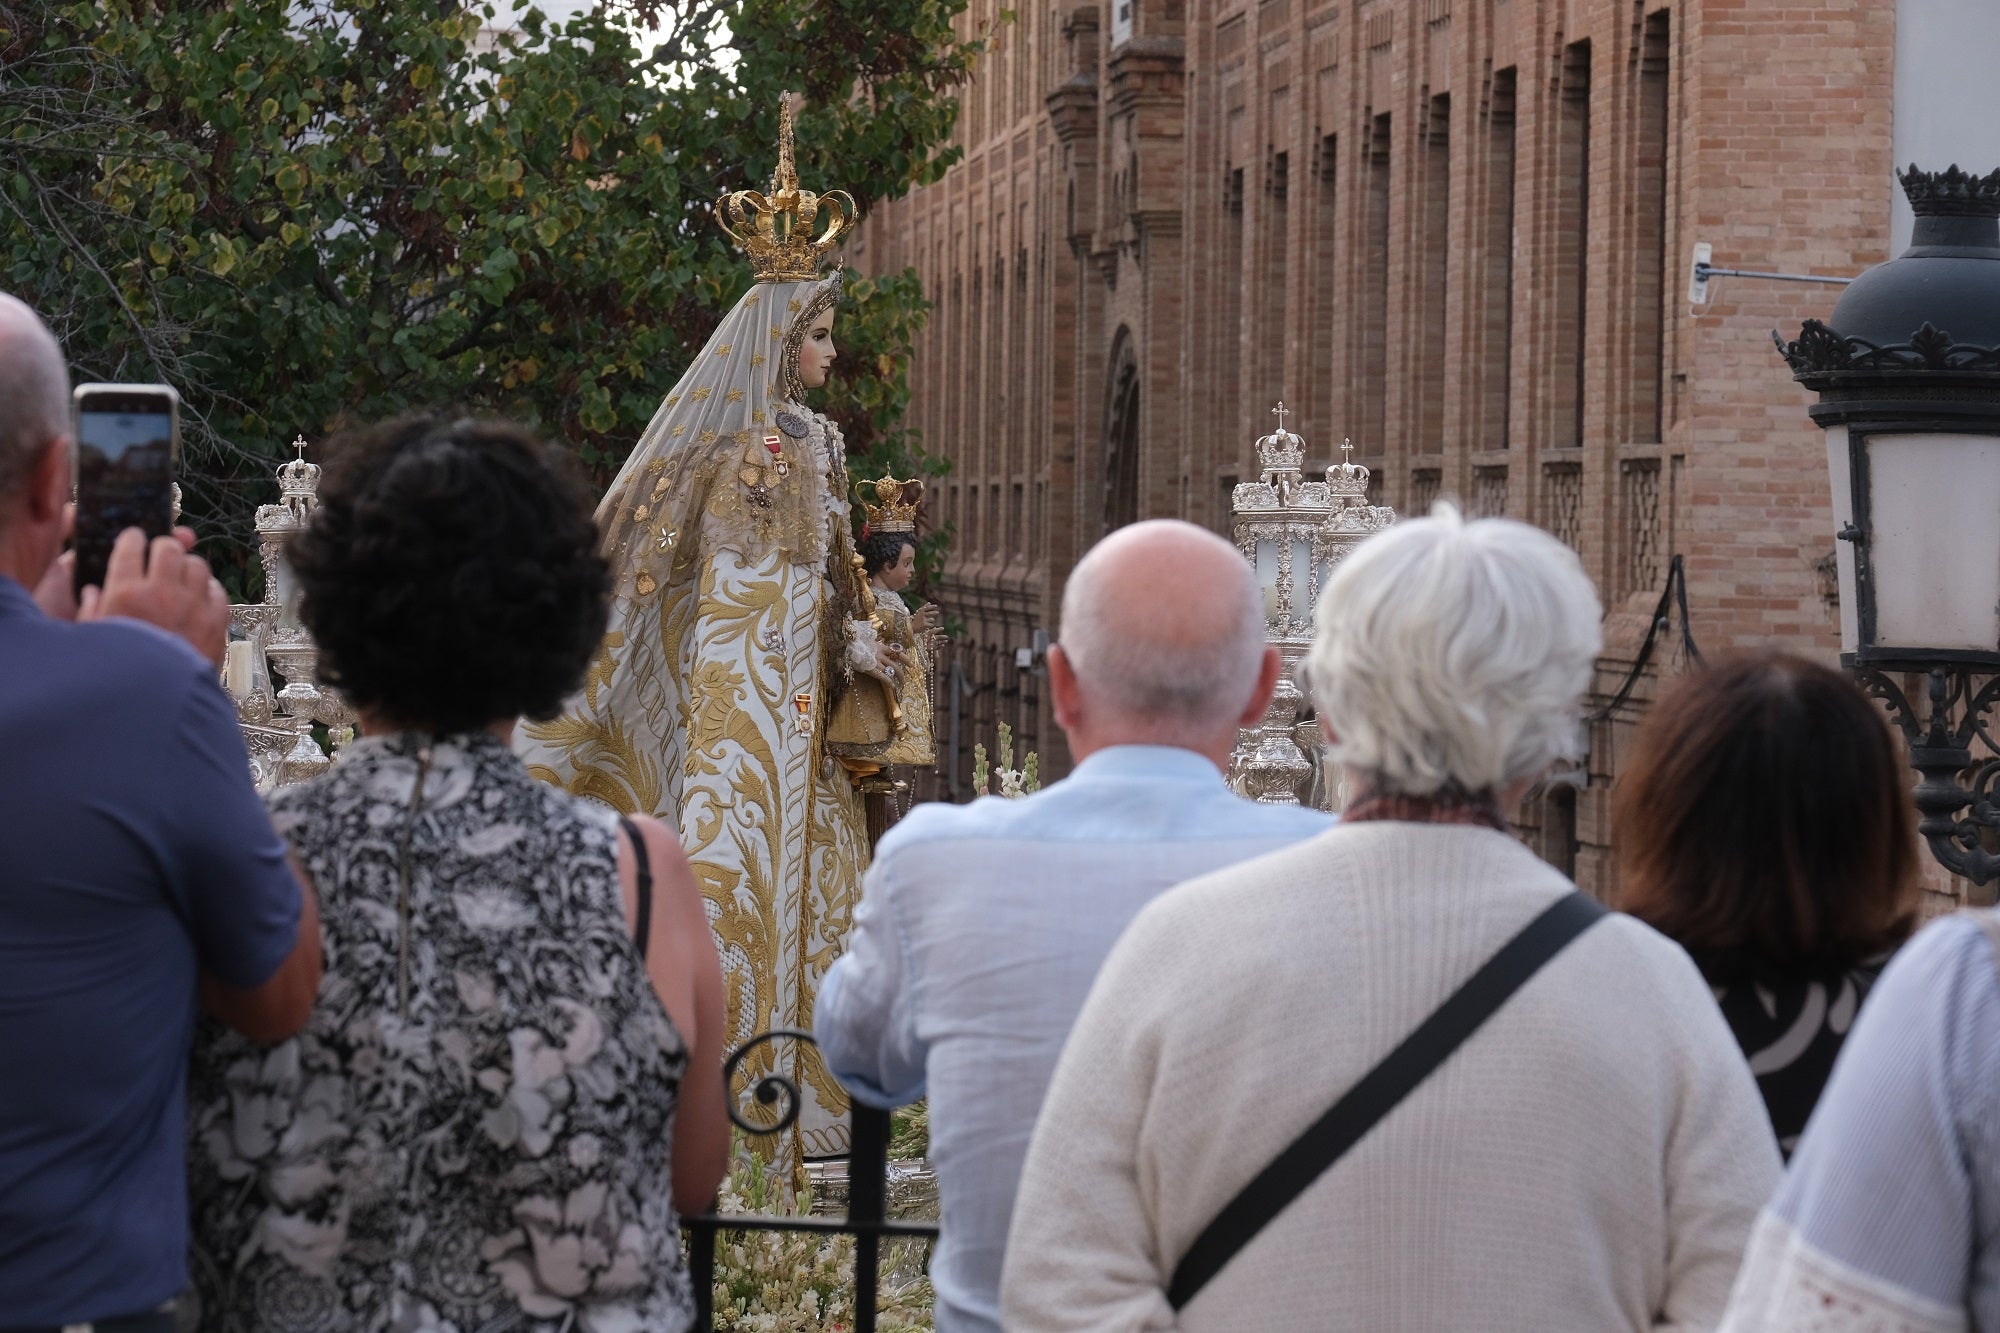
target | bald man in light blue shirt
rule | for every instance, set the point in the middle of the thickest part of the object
(982, 926)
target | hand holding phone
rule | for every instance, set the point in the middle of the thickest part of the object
(165, 584)
(127, 452)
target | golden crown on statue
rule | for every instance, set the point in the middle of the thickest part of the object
(775, 228)
(894, 508)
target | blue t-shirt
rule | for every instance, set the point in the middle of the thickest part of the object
(134, 853)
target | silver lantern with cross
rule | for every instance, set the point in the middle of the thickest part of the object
(1293, 532)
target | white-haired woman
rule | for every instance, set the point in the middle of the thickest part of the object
(1593, 1154)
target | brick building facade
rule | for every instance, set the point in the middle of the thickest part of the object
(1456, 231)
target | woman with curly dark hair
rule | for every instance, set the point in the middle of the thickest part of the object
(1764, 823)
(512, 1080)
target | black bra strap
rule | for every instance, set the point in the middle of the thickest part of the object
(642, 931)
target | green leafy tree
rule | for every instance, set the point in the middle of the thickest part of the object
(303, 213)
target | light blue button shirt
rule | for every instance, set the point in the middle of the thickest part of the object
(980, 930)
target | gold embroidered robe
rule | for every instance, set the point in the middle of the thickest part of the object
(705, 706)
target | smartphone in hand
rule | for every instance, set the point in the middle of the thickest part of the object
(128, 444)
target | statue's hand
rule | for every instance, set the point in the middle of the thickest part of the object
(869, 653)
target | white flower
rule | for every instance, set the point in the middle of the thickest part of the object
(493, 909)
(491, 840)
(567, 1252)
(529, 1112)
(476, 991)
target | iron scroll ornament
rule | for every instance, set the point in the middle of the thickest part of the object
(867, 1217)
(1956, 802)
(773, 1089)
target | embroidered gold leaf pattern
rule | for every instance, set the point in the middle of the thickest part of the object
(603, 666)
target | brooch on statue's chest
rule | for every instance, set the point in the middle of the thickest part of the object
(764, 466)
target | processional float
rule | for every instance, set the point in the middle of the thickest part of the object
(268, 667)
(1294, 532)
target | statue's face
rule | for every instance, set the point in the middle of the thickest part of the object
(816, 352)
(896, 577)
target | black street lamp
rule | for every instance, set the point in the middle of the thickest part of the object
(1908, 377)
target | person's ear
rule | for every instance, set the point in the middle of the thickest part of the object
(1267, 684)
(1063, 693)
(48, 482)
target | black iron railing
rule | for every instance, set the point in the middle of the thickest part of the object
(867, 1217)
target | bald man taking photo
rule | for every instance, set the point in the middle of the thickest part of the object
(982, 926)
(138, 871)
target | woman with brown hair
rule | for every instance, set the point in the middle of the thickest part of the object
(1763, 823)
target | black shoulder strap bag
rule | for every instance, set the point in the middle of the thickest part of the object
(1379, 1092)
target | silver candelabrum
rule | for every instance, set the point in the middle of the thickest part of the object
(268, 645)
(1294, 532)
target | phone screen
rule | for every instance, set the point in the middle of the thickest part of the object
(124, 472)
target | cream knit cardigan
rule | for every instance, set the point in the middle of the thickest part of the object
(1592, 1159)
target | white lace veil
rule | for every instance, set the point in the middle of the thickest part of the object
(729, 429)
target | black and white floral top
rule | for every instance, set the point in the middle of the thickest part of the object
(473, 1132)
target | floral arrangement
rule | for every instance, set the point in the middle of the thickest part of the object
(803, 1282)
(1014, 782)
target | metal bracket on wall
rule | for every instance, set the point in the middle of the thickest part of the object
(1702, 271)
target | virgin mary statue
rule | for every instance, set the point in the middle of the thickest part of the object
(733, 630)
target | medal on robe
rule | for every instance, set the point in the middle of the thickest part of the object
(802, 702)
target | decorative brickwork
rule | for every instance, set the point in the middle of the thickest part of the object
(1562, 501)
(1489, 492)
(1639, 499)
(1426, 484)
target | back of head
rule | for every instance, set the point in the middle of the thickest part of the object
(1454, 655)
(34, 395)
(1763, 820)
(1162, 624)
(451, 574)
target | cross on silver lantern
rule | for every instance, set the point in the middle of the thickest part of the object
(1294, 532)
